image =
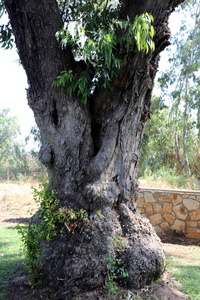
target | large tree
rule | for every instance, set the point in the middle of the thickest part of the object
(91, 150)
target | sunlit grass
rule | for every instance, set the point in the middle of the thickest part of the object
(11, 255)
(186, 270)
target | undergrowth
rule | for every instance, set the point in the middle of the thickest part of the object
(167, 178)
(48, 221)
(116, 270)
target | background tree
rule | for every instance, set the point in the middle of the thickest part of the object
(181, 92)
(171, 139)
(13, 160)
(91, 129)
(158, 158)
(157, 150)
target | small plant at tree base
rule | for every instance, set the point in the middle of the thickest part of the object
(48, 209)
(116, 270)
(49, 218)
(45, 229)
(72, 218)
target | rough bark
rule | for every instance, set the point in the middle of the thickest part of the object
(91, 152)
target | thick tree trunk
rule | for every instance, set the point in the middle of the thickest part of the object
(91, 152)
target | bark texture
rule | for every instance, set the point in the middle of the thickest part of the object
(91, 152)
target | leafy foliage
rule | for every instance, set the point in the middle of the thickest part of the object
(91, 30)
(6, 36)
(116, 270)
(87, 10)
(46, 229)
(52, 220)
(143, 32)
(72, 219)
(95, 40)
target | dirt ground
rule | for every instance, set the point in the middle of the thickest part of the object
(19, 289)
(16, 199)
(15, 202)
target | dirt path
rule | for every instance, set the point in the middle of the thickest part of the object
(15, 201)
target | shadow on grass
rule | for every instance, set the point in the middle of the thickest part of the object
(4, 244)
(11, 267)
(179, 240)
(187, 275)
(18, 220)
(11, 256)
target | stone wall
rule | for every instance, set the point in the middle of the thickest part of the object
(171, 211)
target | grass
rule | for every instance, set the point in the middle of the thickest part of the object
(184, 267)
(11, 256)
(15, 200)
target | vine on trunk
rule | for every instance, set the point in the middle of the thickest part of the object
(52, 218)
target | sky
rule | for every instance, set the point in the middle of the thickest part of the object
(13, 84)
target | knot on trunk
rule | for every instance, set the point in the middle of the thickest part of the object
(101, 194)
(46, 155)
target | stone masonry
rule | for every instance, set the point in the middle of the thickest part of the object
(171, 211)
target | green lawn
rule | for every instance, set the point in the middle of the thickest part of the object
(187, 272)
(11, 256)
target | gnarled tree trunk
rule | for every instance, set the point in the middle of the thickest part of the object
(91, 152)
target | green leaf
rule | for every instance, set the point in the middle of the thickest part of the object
(95, 42)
